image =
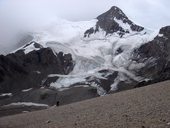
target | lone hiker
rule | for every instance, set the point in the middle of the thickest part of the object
(57, 103)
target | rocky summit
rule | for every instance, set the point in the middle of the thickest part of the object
(109, 22)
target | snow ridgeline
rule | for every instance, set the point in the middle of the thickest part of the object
(92, 54)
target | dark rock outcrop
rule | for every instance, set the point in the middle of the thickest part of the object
(107, 22)
(156, 56)
(21, 71)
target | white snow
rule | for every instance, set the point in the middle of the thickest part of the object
(84, 86)
(100, 90)
(26, 104)
(77, 86)
(93, 53)
(38, 72)
(27, 90)
(5, 94)
(30, 48)
(160, 35)
(125, 26)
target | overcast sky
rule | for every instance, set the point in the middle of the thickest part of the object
(15, 14)
(149, 13)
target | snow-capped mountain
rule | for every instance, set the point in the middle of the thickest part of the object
(114, 21)
(108, 53)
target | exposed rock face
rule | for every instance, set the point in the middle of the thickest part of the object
(108, 22)
(21, 71)
(156, 56)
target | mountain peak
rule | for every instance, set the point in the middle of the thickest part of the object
(114, 21)
(113, 12)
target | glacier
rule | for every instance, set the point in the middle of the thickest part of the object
(94, 53)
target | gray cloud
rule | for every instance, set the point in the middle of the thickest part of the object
(149, 13)
(18, 14)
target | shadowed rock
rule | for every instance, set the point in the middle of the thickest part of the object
(156, 56)
(21, 71)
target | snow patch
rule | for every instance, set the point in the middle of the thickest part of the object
(5, 94)
(160, 35)
(26, 104)
(27, 90)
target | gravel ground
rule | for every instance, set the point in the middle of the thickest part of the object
(146, 107)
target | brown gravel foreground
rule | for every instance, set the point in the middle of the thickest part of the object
(147, 107)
